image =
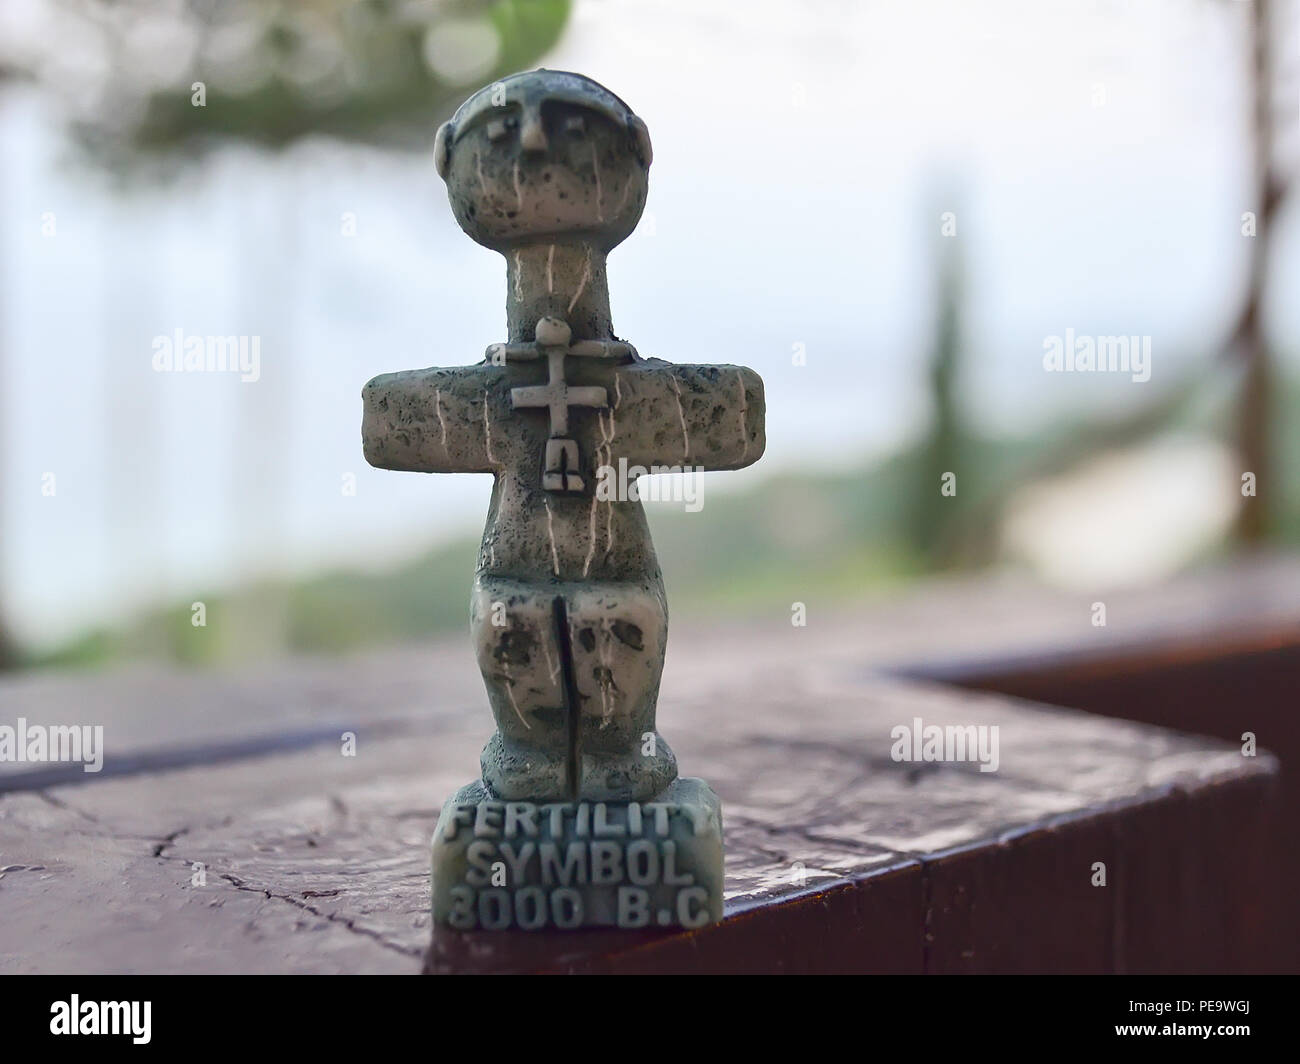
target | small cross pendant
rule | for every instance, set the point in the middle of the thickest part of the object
(552, 339)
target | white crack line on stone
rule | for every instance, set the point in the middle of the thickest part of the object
(603, 445)
(622, 200)
(519, 273)
(487, 427)
(591, 531)
(552, 667)
(681, 413)
(582, 281)
(606, 438)
(478, 165)
(510, 693)
(442, 422)
(606, 677)
(607, 441)
(744, 409)
(550, 276)
(519, 192)
(609, 461)
(550, 531)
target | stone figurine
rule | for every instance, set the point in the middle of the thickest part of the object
(580, 818)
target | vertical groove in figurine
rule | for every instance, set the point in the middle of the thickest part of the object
(573, 739)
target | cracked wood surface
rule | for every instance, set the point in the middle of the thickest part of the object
(838, 858)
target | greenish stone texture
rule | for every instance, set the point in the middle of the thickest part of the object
(499, 865)
(567, 612)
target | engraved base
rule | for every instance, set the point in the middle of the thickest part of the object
(531, 866)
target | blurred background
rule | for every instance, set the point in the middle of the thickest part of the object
(887, 209)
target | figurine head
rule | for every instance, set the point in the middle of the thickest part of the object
(544, 154)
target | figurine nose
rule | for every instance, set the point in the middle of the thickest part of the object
(532, 137)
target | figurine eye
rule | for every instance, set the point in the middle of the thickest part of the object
(575, 125)
(499, 127)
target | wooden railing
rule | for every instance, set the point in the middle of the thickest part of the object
(231, 831)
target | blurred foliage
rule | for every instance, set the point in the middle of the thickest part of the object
(376, 71)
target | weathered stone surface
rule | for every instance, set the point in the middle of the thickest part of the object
(568, 613)
(533, 866)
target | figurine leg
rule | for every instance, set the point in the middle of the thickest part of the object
(618, 635)
(519, 655)
(616, 638)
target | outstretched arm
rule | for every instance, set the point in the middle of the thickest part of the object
(433, 420)
(669, 414)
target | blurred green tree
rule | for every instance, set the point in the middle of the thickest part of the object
(270, 72)
(933, 511)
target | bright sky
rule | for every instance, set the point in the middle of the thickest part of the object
(1093, 153)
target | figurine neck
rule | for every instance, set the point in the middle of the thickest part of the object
(564, 281)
